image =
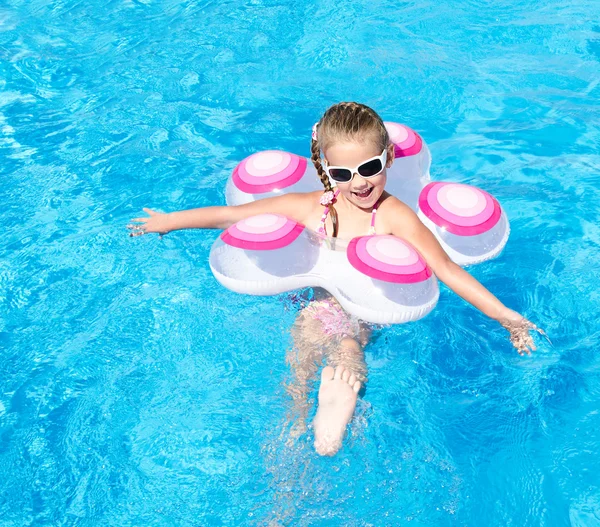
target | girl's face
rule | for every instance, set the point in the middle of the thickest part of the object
(362, 192)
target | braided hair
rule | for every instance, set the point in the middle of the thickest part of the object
(346, 121)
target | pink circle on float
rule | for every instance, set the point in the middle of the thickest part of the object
(390, 250)
(461, 226)
(262, 224)
(406, 144)
(462, 200)
(273, 177)
(362, 261)
(261, 236)
(276, 239)
(374, 262)
(266, 163)
(406, 140)
(397, 132)
(263, 185)
(461, 221)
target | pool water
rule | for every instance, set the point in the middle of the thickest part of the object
(134, 390)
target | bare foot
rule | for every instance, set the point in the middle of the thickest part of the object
(337, 400)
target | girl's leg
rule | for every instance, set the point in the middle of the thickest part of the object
(348, 352)
(339, 390)
(323, 328)
(304, 357)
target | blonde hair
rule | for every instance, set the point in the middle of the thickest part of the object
(346, 121)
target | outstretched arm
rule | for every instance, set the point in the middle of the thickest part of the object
(408, 226)
(292, 205)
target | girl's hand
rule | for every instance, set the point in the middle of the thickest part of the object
(157, 222)
(519, 328)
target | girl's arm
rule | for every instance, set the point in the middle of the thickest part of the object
(294, 206)
(406, 225)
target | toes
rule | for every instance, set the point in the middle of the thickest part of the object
(327, 373)
(338, 372)
(352, 380)
(356, 387)
(345, 375)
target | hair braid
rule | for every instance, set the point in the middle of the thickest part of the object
(316, 159)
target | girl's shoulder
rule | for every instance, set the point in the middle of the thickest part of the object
(392, 205)
(394, 212)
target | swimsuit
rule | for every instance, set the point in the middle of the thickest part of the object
(335, 321)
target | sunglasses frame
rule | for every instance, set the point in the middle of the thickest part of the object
(382, 157)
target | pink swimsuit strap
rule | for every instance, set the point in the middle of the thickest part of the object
(323, 229)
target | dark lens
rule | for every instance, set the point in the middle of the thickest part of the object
(340, 174)
(371, 168)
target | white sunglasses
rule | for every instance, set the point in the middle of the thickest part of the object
(369, 168)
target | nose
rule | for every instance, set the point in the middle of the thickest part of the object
(361, 182)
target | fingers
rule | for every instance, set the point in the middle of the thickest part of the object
(528, 343)
(140, 230)
(141, 226)
(524, 346)
(523, 343)
(532, 327)
(520, 336)
(150, 213)
(134, 227)
(521, 349)
(532, 344)
(136, 230)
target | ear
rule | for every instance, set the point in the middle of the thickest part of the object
(390, 156)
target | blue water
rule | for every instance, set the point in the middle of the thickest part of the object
(135, 391)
